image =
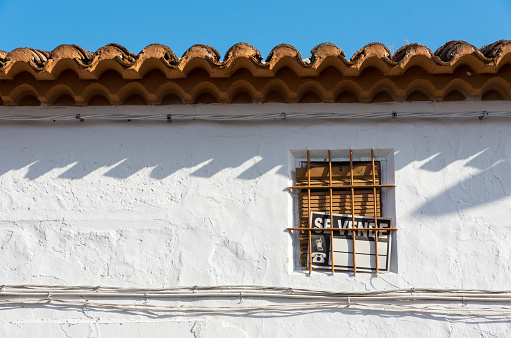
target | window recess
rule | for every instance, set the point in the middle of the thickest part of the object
(339, 206)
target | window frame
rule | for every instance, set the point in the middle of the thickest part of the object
(333, 157)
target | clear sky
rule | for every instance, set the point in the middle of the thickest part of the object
(264, 24)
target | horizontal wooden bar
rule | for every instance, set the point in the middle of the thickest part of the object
(323, 199)
(363, 179)
(338, 191)
(358, 201)
(339, 186)
(338, 170)
(337, 210)
(338, 201)
(320, 198)
(341, 194)
(343, 183)
(344, 210)
(338, 178)
(320, 207)
(343, 229)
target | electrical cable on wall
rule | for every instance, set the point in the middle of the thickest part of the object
(478, 303)
(252, 117)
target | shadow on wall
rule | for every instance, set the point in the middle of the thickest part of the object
(489, 164)
(122, 155)
(487, 186)
(119, 152)
(336, 310)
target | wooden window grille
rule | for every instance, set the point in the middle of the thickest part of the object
(351, 188)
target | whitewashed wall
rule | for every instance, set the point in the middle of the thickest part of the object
(159, 205)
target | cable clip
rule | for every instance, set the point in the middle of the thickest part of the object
(283, 115)
(349, 302)
(169, 118)
(485, 113)
(394, 114)
(78, 117)
(463, 301)
(49, 297)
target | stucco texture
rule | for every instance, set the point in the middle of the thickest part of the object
(159, 205)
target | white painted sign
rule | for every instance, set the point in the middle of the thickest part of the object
(365, 247)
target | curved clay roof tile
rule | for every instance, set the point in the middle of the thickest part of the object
(82, 56)
(454, 49)
(373, 49)
(324, 50)
(201, 51)
(113, 51)
(34, 57)
(159, 51)
(495, 49)
(410, 50)
(243, 50)
(283, 50)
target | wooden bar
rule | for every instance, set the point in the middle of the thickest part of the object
(375, 214)
(319, 171)
(309, 210)
(353, 214)
(322, 182)
(344, 229)
(365, 210)
(339, 194)
(360, 205)
(321, 199)
(359, 212)
(344, 179)
(331, 213)
(342, 186)
(360, 202)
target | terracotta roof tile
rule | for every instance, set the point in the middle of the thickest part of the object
(68, 74)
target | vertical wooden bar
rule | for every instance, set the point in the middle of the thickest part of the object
(375, 213)
(353, 213)
(309, 209)
(331, 214)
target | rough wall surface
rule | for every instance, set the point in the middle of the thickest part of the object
(159, 205)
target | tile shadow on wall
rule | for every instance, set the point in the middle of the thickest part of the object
(126, 154)
(166, 151)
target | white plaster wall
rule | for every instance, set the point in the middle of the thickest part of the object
(159, 205)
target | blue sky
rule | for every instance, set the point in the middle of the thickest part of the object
(264, 24)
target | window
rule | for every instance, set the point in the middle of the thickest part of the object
(344, 193)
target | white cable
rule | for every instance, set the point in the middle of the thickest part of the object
(432, 301)
(252, 117)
